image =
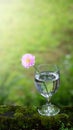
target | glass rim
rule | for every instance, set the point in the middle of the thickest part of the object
(46, 64)
(56, 67)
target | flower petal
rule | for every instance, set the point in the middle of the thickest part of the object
(28, 60)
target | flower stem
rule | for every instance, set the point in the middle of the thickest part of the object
(45, 87)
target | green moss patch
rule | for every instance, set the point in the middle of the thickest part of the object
(24, 118)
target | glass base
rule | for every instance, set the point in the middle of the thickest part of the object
(48, 110)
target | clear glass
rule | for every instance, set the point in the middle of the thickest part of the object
(47, 81)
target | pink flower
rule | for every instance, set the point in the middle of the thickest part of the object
(28, 60)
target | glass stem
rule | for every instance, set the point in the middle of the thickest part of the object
(48, 99)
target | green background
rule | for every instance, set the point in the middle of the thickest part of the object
(44, 29)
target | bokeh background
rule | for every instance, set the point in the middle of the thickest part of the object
(45, 29)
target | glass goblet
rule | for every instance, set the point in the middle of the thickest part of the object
(47, 80)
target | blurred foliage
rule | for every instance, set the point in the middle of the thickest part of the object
(45, 29)
(64, 96)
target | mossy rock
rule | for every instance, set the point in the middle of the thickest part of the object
(24, 118)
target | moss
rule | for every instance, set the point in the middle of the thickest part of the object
(3, 109)
(18, 115)
(24, 118)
